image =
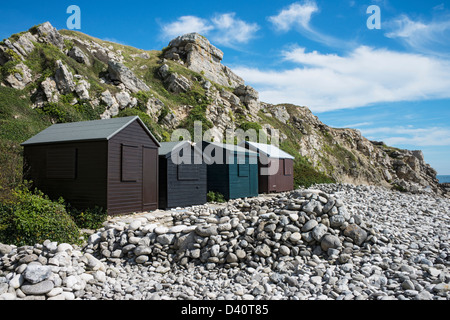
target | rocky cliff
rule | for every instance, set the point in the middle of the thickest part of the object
(50, 76)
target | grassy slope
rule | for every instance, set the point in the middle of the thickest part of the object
(19, 122)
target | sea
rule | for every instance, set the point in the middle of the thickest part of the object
(444, 179)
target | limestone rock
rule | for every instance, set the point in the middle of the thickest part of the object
(82, 89)
(199, 55)
(177, 83)
(37, 273)
(356, 233)
(20, 77)
(50, 89)
(249, 97)
(64, 78)
(47, 33)
(124, 100)
(120, 73)
(37, 289)
(174, 82)
(112, 106)
(78, 55)
(282, 114)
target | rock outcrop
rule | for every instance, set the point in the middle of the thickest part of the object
(78, 55)
(118, 72)
(349, 157)
(19, 77)
(47, 33)
(64, 78)
(162, 85)
(197, 54)
(174, 82)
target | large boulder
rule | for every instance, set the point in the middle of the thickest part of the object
(64, 78)
(174, 82)
(356, 233)
(78, 55)
(20, 77)
(120, 73)
(50, 89)
(112, 106)
(47, 33)
(199, 55)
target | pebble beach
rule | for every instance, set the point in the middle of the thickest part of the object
(331, 242)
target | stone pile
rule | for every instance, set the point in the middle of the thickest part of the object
(267, 231)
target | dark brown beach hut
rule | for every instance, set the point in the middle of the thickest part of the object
(111, 164)
(275, 167)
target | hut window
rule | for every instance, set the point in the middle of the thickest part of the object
(287, 168)
(61, 163)
(130, 163)
(188, 172)
(244, 170)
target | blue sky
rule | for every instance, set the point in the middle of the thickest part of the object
(393, 83)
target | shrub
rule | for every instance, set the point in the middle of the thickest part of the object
(306, 176)
(215, 197)
(91, 218)
(31, 218)
(10, 168)
(250, 126)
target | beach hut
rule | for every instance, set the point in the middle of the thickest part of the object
(275, 167)
(182, 175)
(232, 170)
(111, 164)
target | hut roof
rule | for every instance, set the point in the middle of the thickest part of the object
(270, 151)
(85, 131)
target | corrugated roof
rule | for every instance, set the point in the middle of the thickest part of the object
(270, 151)
(84, 131)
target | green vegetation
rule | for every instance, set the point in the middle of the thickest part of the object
(89, 218)
(215, 197)
(31, 217)
(159, 132)
(305, 175)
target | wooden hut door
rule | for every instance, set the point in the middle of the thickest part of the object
(150, 179)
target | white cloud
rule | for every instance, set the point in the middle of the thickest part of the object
(358, 125)
(399, 135)
(427, 37)
(186, 24)
(231, 31)
(296, 15)
(365, 76)
(224, 29)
